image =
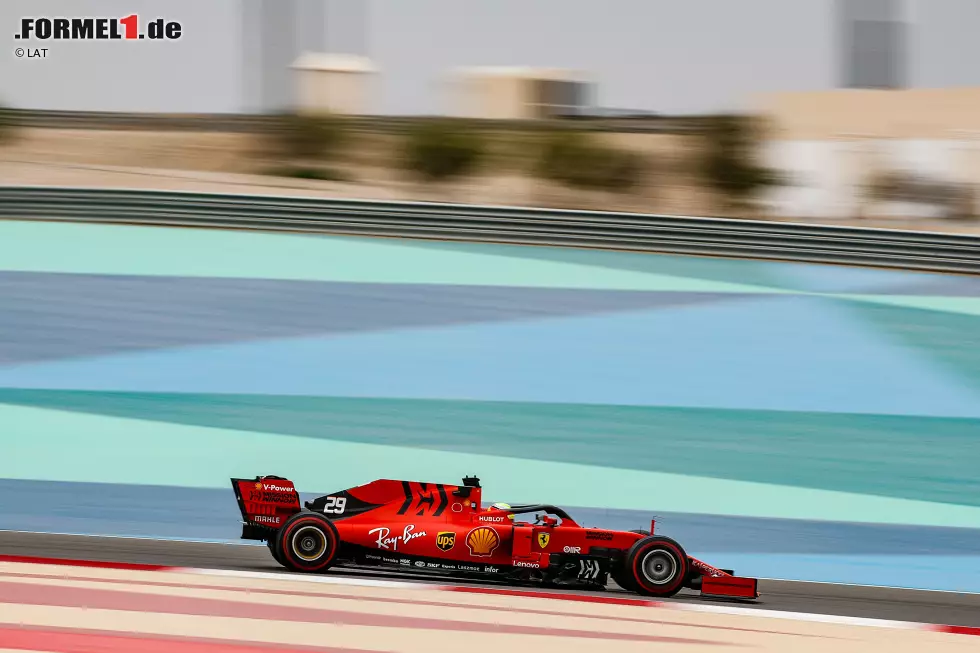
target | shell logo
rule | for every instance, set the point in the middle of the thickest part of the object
(482, 541)
(258, 486)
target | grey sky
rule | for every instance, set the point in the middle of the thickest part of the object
(662, 55)
(201, 72)
(672, 56)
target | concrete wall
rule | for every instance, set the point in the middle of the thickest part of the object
(485, 96)
(334, 92)
(516, 93)
(830, 143)
(905, 114)
(828, 177)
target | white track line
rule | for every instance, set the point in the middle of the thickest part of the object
(797, 616)
(670, 605)
(305, 578)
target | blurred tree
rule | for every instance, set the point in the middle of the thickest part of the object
(729, 162)
(300, 136)
(317, 173)
(953, 199)
(438, 150)
(577, 159)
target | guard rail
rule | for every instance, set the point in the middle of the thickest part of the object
(928, 251)
(257, 123)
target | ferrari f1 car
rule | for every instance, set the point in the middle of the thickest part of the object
(444, 529)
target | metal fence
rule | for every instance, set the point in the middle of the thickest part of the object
(618, 231)
(258, 123)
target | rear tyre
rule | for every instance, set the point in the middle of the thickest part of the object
(273, 543)
(657, 566)
(308, 542)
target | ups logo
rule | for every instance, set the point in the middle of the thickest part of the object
(445, 540)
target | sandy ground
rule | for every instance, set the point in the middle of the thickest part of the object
(62, 609)
(240, 163)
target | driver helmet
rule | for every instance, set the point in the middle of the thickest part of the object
(502, 506)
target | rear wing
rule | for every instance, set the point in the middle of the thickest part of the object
(266, 502)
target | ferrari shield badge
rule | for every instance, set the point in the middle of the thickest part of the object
(543, 539)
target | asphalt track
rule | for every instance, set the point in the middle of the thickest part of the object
(814, 598)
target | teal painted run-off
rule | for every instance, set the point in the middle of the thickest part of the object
(143, 356)
(818, 450)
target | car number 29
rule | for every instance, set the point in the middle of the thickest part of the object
(335, 505)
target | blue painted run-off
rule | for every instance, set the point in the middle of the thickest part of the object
(925, 572)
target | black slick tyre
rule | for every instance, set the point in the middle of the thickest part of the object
(622, 576)
(307, 542)
(273, 543)
(656, 566)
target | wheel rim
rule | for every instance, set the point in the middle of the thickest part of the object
(309, 543)
(659, 567)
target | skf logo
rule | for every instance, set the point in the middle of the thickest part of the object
(482, 541)
(543, 539)
(445, 540)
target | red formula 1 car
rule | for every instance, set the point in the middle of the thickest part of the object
(443, 529)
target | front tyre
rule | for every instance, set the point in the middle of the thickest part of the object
(656, 566)
(308, 542)
(621, 575)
